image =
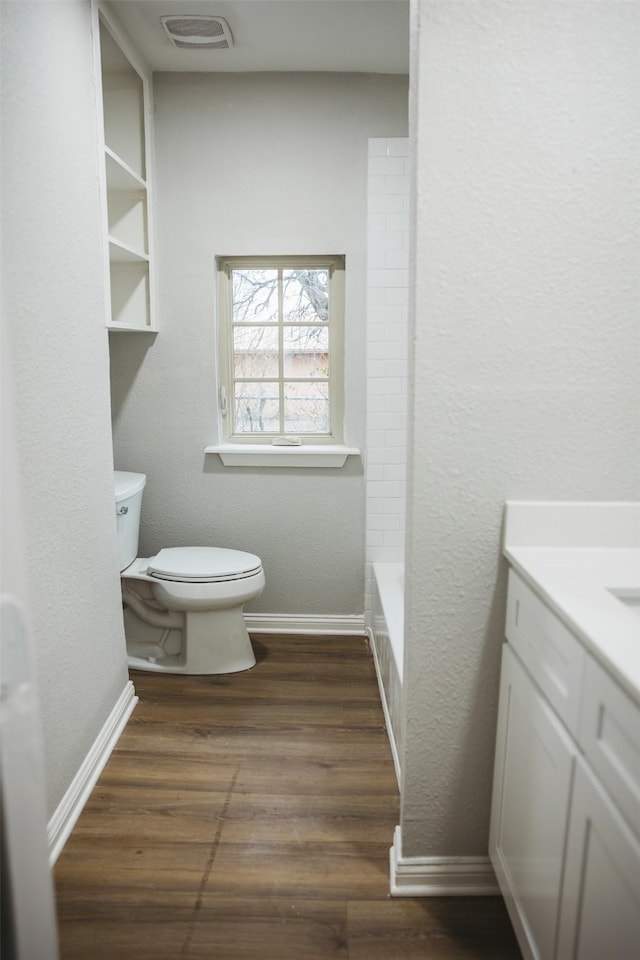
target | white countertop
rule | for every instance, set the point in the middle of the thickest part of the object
(578, 580)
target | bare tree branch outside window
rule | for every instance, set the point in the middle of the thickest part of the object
(284, 326)
(281, 350)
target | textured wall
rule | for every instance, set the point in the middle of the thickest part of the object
(53, 295)
(252, 164)
(526, 133)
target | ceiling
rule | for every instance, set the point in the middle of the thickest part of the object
(347, 36)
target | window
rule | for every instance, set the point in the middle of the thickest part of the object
(280, 348)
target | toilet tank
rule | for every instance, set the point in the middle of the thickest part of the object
(128, 494)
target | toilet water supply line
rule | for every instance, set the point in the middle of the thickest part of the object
(168, 619)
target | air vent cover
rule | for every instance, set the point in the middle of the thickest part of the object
(198, 33)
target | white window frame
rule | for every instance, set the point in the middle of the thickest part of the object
(335, 265)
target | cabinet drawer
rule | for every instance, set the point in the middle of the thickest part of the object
(609, 727)
(551, 654)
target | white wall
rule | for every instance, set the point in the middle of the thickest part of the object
(53, 297)
(526, 135)
(25, 873)
(252, 164)
(387, 352)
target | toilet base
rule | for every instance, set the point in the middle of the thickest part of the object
(213, 642)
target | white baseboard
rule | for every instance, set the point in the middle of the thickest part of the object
(439, 876)
(353, 625)
(70, 807)
(385, 710)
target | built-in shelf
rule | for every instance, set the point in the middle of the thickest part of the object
(120, 176)
(125, 328)
(126, 112)
(121, 253)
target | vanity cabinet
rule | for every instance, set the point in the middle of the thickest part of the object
(124, 110)
(600, 916)
(534, 771)
(565, 819)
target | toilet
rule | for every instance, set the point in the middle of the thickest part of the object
(183, 608)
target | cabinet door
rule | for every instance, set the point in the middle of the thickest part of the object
(601, 895)
(531, 795)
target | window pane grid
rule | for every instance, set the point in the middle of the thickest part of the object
(280, 320)
(285, 380)
(280, 350)
(254, 411)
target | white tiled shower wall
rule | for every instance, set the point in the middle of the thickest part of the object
(387, 345)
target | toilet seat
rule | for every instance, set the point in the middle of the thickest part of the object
(203, 564)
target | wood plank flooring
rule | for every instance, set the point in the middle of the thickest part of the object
(250, 816)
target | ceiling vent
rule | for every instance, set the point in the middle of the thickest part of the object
(198, 33)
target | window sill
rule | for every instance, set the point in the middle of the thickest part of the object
(266, 455)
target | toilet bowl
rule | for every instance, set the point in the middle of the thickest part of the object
(183, 606)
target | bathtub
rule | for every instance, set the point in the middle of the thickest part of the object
(387, 643)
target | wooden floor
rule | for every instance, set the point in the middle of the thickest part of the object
(250, 816)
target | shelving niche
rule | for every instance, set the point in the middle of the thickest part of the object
(125, 101)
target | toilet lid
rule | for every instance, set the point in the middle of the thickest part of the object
(203, 564)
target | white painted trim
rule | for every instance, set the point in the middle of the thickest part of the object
(268, 455)
(352, 625)
(439, 876)
(385, 709)
(70, 807)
